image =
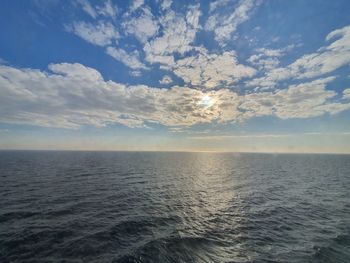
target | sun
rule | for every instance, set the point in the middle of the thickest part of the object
(206, 101)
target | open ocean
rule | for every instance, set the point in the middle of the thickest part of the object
(173, 207)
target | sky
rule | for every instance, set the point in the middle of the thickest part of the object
(162, 75)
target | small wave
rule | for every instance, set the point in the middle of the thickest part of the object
(338, 251)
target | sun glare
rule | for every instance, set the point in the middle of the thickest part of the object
(206, 101)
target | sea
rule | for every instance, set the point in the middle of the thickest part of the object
(71, 206)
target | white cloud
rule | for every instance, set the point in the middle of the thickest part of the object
(346, 93)
(166, 4)
(87, 7)
(210, 70)
(72, 95)
(136, 4)
(268, 59)
(100, 34)
(298, 101)
(166, 80)
(143, 26)
(325, 60)
(76, 71)
(130, 59)
(216, 4)
(136, 73)
(178, 34)
(108, 9)
(267, 63)
(224, 25)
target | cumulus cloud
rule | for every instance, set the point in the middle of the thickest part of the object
(210, 70)
(142, 27)
(223, 25)
(325, 60)
(100, 34)
(72, 95)
(304, 100)
(179, 31)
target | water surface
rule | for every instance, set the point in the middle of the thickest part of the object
(173, 207)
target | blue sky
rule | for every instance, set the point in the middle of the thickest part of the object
(226, 75)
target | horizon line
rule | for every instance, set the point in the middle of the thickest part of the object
(176, 151)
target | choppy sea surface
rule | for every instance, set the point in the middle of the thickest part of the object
(173, 207)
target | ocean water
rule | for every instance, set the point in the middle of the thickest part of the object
(173, 207)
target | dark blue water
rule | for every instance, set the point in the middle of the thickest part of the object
(173, 207)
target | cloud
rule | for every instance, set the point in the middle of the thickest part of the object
(166, 4)
(346, 94)
(325, 60)
(73, 95)
(142, 27)
(107, 10)
(265, 136)
(136, 4)
(178, 33)
(136, 73)
(100, 34)
(166, 80)
(130, 59)
(87, 7)
(70, 97)
(76, 71)
(216, 4)
(268, 59)
(210, 70)
(223, 25)
(304, 100)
